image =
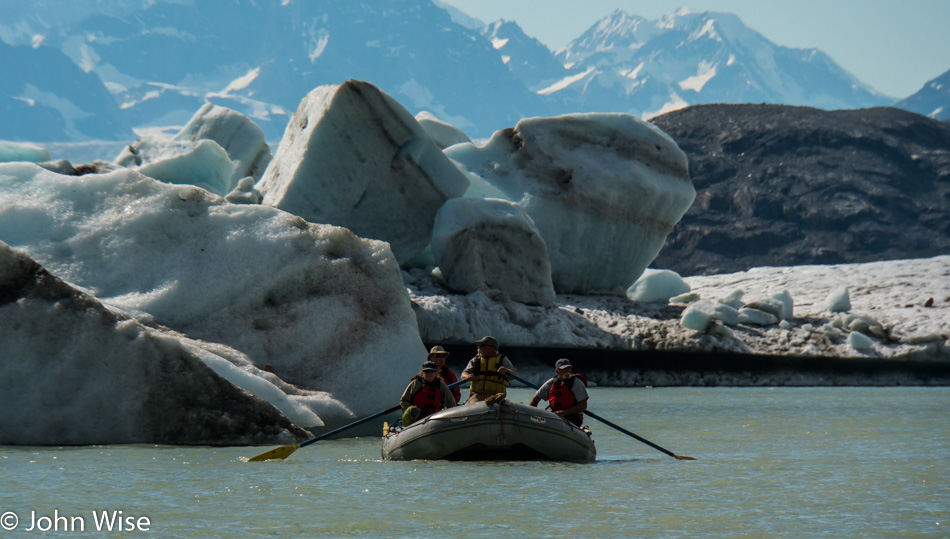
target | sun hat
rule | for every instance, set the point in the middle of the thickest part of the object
(438, 350)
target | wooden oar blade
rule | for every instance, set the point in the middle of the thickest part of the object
(681, 457)
(279, 453)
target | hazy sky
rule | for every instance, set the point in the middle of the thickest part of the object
(895, 46)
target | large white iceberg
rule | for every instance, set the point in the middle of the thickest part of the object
(482, 244)
(354, 157)
(603, 189)
(324, 307)
(74, 372)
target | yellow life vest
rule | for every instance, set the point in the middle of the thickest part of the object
(487, 378)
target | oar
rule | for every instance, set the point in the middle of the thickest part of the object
(608, 423)
(284, 451)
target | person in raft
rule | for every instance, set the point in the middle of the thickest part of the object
(426, 394)
(566, 393)
(438, 355)
(487, 371)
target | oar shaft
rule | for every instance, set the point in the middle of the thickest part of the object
(628, 433)
(349, 426)
(358, 422)
(604, 421)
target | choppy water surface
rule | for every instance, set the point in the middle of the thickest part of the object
(785, 462)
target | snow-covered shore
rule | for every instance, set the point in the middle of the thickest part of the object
(910, 299)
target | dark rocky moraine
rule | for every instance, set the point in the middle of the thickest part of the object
(784, 186)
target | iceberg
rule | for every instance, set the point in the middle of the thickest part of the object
(311, 300)
(482, 244)
(599, 187)
(352, 156)
(73, 371)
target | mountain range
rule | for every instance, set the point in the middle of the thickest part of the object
(932, 100)
(162, 59)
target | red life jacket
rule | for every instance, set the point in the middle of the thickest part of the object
(429, 398)
(560, 396)
(449, 377)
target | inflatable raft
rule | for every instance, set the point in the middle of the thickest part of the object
(500, 431)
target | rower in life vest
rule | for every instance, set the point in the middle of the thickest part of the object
(426, 394)
(566, 393)
(487, 371)
(438, 355)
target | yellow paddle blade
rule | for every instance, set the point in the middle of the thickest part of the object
(681, 457)
(385, 428)
(279, 453)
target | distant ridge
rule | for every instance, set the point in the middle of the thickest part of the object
(933, 100)
(788, 186)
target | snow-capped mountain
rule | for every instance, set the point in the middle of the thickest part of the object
(932, 100)
(163, 59)
(625, 63)
(529, 59)
(44, 93)
(260, 57)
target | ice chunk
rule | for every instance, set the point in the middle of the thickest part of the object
(755, 317)
(203, 163)
(861, 323)
(657, 286)
(787, 304)
(492, 244)
(60, 166)
(770, 305)
(441, 133)
(245, 193)
(733, 299)
(607, 187)
(684, 299)
(860, 341)
(832, 333)
(839, 301)
(22, 151)
(241, 138)
(719, 329)
(216, 149)
(353, 157)
(700, 314)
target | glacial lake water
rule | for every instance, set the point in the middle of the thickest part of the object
(771, 462)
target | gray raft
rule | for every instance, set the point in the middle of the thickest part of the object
(502, 431)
